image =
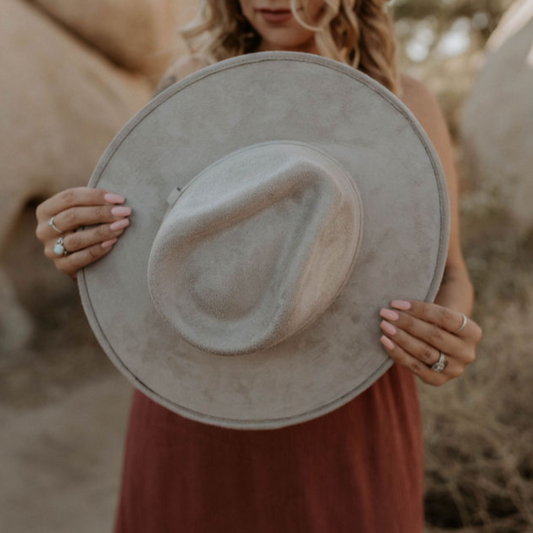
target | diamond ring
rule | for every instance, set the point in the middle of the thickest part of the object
(440, 365)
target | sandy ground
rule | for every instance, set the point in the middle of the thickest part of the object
(61, 462)
(63, 407)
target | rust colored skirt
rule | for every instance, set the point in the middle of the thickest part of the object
(358, 469)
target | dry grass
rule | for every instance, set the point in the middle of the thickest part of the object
(478, 429)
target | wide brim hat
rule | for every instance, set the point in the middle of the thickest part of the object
(279, 200)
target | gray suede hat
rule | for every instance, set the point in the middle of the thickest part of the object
(279, 200)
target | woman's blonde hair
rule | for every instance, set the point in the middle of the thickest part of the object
(359, 33)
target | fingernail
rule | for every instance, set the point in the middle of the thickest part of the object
(387, 342)
(121, 211)
(119, 224)
(389, 328)
(113, 198)
(389, 314)
(400, 304)
(110, 242)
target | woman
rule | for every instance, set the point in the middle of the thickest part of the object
(358, 468)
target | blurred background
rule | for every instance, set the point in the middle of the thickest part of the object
(73, 73)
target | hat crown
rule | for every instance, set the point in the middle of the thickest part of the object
(255, 247)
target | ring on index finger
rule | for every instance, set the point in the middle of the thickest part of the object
(462, 325)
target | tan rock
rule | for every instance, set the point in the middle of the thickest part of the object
(62, 103)
(496, 122)
(139, 35)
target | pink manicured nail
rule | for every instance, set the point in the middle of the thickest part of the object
(113, 198)
(387, 342)
(389, 328)
(110, 242)
(120, 224)
(121, 211)
(389, 314)
(400, 304)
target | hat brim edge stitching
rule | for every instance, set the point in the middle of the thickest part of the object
(357, 75)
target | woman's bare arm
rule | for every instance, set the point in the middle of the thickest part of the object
(456, 290)
(417, 334)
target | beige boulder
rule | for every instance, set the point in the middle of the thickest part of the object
(73, 73)
(62, 103)
(496, 121)
(139, 35)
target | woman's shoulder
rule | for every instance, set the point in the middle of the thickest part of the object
(426, 108)
(181, 67)
(417, 96)
(187, 64)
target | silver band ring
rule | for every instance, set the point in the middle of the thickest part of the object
(59, 247)
(52, 225)
(462, 325)
(440, 365)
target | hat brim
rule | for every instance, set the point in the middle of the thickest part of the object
(238, 102)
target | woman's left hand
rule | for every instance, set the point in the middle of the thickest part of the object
(417, 331)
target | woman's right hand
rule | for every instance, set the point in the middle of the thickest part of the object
(75, 207)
